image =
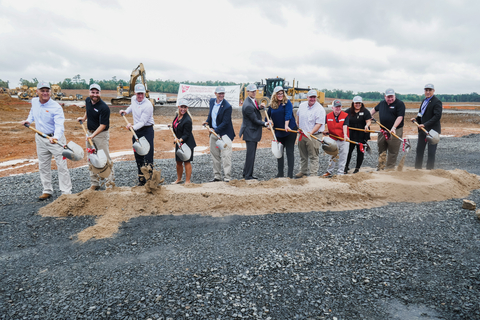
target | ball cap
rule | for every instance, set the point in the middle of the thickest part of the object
(389, 92)
(357, 99)
(312, 93)
(43, 84)
(251, 87)
(336, 103)
(220, 89)
(183, 102)
(429, 86)
(139, 88)
(277, 89)
(95, 86)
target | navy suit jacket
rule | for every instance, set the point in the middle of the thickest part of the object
(224, 119)
(432, 115)
(252, 124)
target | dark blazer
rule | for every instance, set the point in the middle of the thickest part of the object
(252, 124)
(224, 119)
(184, 131)
(432, 115)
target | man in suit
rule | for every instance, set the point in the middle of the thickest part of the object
(428, 117)
(251, 129)
(220, 121)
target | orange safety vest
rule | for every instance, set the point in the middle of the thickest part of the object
(334, 127)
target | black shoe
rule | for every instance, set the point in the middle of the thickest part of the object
(251, 178)
(346, 171)
(215, 180)
(356, 170)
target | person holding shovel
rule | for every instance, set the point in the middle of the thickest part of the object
(359, 118)
(337, 125)
(49, 119)
(220, 120)
(142, 111)
(311, 121)
(281, 113)
(182, 127)
(428, 117)
(391, 112)
(98, 115)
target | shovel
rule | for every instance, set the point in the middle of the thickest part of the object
(363, 130)
(222, 143)
(141, 146)
(432, 136)
(184, 152)
(72, 151)
(363, 146)
(328, 144)
(97, 158)
(406, 143)
(277, 147)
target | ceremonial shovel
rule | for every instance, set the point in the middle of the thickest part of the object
(141, 146)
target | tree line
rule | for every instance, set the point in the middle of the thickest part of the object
(171, 86)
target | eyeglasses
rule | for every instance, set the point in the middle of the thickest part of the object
(279, 93)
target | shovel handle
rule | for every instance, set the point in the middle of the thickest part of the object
(344, 139)
(44, 135)
(381, 125)
(212, 131)
(269, 125)
(363, 130)
(424, 130)
(86, 133)
(174, 136)
(280, 129)
(131, 129)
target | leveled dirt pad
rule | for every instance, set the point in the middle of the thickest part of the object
(239, 197)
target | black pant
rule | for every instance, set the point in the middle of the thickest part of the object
(289, 146)
(146, 160)
(432, 149)
(250, 158)
(360, 156)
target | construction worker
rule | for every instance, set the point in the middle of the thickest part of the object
(391, 114)
(97, 114)
(337, 125)
(49, 119)
(428, 117)
(220, 121)
(142, 111)
(311, 121)
(251, 129)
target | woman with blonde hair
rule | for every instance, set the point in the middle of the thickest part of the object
(281, 114)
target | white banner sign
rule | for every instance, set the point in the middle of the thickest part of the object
(199, 96)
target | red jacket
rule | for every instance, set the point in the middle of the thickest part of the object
(334, 127)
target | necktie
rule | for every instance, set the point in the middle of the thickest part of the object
(256, 103)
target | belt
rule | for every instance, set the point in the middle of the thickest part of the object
(49, 134)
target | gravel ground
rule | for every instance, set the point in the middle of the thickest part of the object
(401, 261)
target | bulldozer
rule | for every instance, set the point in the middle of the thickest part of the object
(57, 94)
(27, 93)
(125, 93)
(265, 90)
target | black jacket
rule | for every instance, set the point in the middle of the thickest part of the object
(432, 115)
(252, 125)
(184, 131)
(224, 119)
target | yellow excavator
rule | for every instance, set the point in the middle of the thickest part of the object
(296, 95)
(125, 93)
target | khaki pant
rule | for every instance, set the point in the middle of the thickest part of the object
(392, 146)
(45, 151)
(309, 150)
(220, 157)
(101, 142)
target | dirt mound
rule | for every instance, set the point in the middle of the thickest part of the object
(362, 190)
(6, 102)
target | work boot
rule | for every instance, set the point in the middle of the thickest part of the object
(300, 175)
(45, 196)
(94, 188)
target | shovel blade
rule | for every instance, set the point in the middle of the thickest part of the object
(277, 149)
(330, 146)
(98, 160)
(433, 137)
(184, 152)
(224, 142)
(75, 153)
(142, 147)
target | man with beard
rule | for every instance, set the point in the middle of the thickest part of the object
(97, 114)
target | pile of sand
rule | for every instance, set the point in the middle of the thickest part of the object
(6, 101)
(240, 197)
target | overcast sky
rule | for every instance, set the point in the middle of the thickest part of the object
(352, 45)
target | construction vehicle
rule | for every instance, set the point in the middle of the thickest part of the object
(27, 93)
(296, 95)
(125, 93)
(57, 94)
